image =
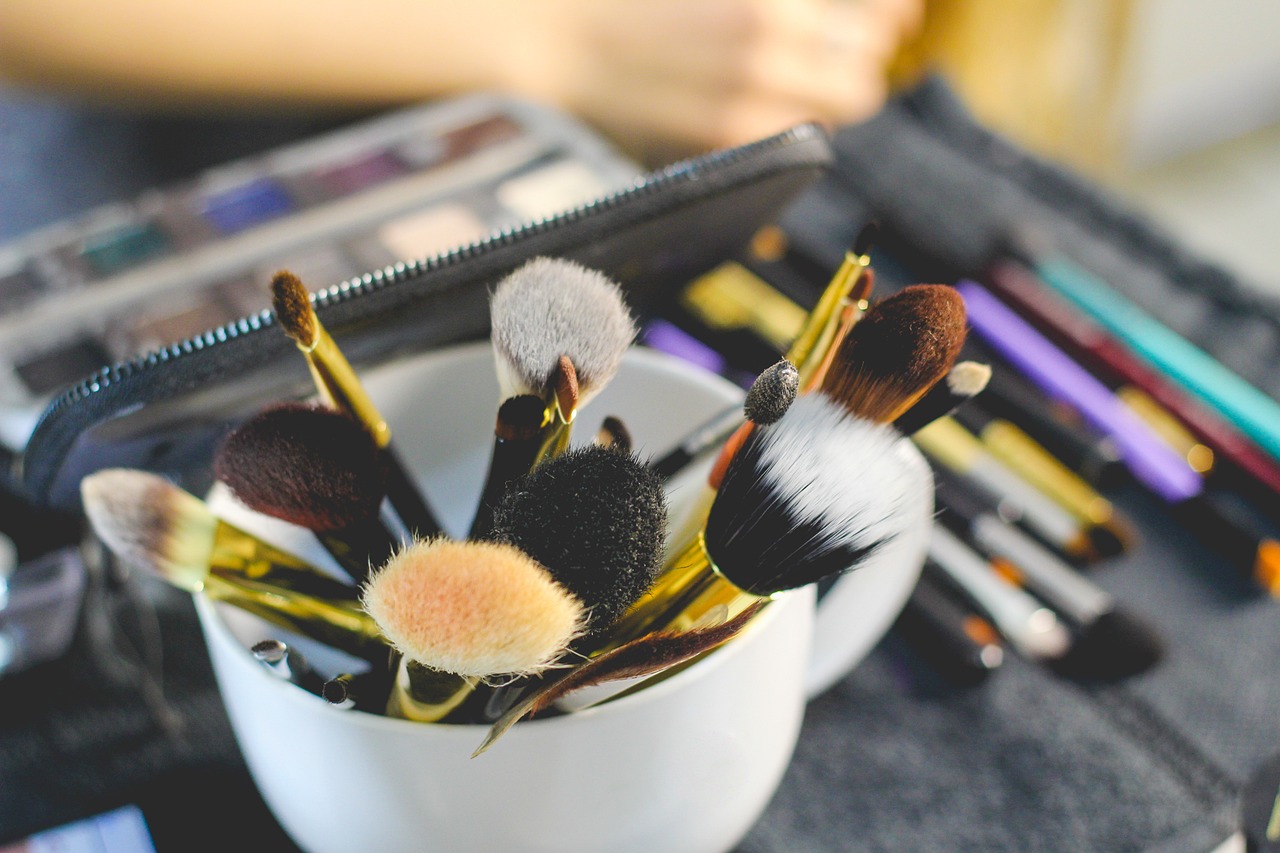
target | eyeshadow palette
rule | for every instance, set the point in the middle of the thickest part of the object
(178, 261)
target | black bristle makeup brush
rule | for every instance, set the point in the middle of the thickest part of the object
(339, 386)
(317, 468)
(517, 438)
(962, 383)
(463, 612)
(148, 522)
(595, 518)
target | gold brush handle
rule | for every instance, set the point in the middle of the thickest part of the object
(427, 695)
(334, 376)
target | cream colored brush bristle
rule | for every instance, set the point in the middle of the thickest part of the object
(472, 608)
(149, 523)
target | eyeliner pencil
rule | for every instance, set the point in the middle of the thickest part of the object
(1111, 361)
(1153, 463)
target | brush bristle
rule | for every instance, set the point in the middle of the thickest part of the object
(613, 433)
(897, 351)
(1116, 645)
(308, 465)
(549, 308)
(968, 378)
(149, 523)
(293, 309)
(772, 393)
(812, 496)
(596, 517)
(472, 608)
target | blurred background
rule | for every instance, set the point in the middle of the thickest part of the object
(1173, 105)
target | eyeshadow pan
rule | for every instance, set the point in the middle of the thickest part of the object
(550, 190)
(247, 205)
(156, 329)
(122, 248)
(360, 174)
(432, 231)
(53, 369)
(317, 268)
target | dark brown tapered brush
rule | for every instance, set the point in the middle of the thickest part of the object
(900, 348)
(317, 468)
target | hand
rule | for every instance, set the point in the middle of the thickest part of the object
(677, 76)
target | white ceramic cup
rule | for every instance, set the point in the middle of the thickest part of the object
(687, 764)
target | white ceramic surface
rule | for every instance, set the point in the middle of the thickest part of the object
(688, 764)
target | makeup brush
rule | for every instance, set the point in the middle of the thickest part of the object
(772, 393)
(900, 348)
(768, 399)
(806, 498)
(1109, 531)
(317, 468)
(517, 438)
(821, 325)
(1032, 629)
(148, 522)
(288, 664)
(466, 611)
(613, 433)
(949, 444)
(1109, 642)
(596, 519)
(551, 307)
(339, 386)
(949, 635)
(962, 383)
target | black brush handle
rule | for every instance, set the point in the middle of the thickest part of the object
(406, 500)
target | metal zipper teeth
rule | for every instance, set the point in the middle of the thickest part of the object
(408, 270)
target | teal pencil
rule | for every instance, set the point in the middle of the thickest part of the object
(1252, 411)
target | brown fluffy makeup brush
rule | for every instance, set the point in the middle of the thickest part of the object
(317, 468)
(899, 349)
(341, 389)
(149, 523)
(462, 612)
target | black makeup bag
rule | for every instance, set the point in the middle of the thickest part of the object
(165, 411)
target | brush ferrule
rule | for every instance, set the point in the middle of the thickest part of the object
(809, 348)
(278, 587)
(427, 695)
(691, 587)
